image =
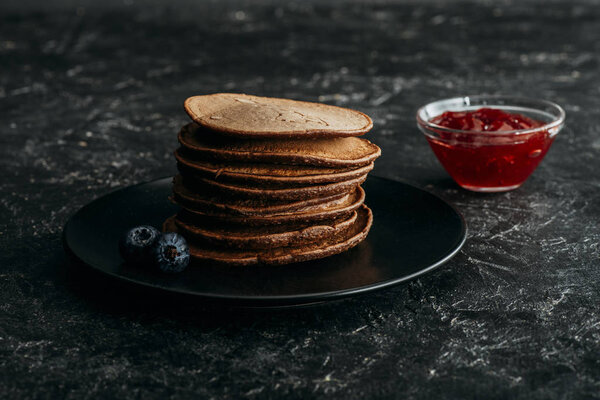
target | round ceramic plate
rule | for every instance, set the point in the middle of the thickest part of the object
(413, 233)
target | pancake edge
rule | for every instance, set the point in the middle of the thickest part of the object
(257, 260)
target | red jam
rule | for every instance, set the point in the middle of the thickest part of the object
(489, 160)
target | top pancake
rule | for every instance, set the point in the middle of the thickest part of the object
(264, 117)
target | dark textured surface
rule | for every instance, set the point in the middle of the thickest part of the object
(91, 100)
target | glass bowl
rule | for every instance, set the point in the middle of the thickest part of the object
(485, 161)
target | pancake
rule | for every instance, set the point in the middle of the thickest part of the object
(248, 116)
(280, 255)
(211, 203)
(271, 193)
(335, 210)
(265, 238)
(285, 175)
(341, 152)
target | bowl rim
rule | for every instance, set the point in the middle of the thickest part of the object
(557, 122)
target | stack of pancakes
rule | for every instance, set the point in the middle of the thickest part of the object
(270, 181)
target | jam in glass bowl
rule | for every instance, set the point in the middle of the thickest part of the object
(490, 143)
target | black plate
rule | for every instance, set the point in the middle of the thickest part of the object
(413, 232)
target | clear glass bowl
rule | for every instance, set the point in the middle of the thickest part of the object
(491, 161)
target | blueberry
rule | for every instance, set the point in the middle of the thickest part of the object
(137, 245)
(172, 253)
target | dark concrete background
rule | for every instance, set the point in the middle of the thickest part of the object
(91, 99)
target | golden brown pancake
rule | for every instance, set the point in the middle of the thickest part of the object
(272, 193)
(265, 237)
(215, 203)
(280, 255)
(274, 174)
(248, 116)
(338, 152)
(270, 181)
(330, 211)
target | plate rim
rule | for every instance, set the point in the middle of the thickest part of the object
(270, 301)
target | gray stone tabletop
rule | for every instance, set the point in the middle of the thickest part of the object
(91, 100)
